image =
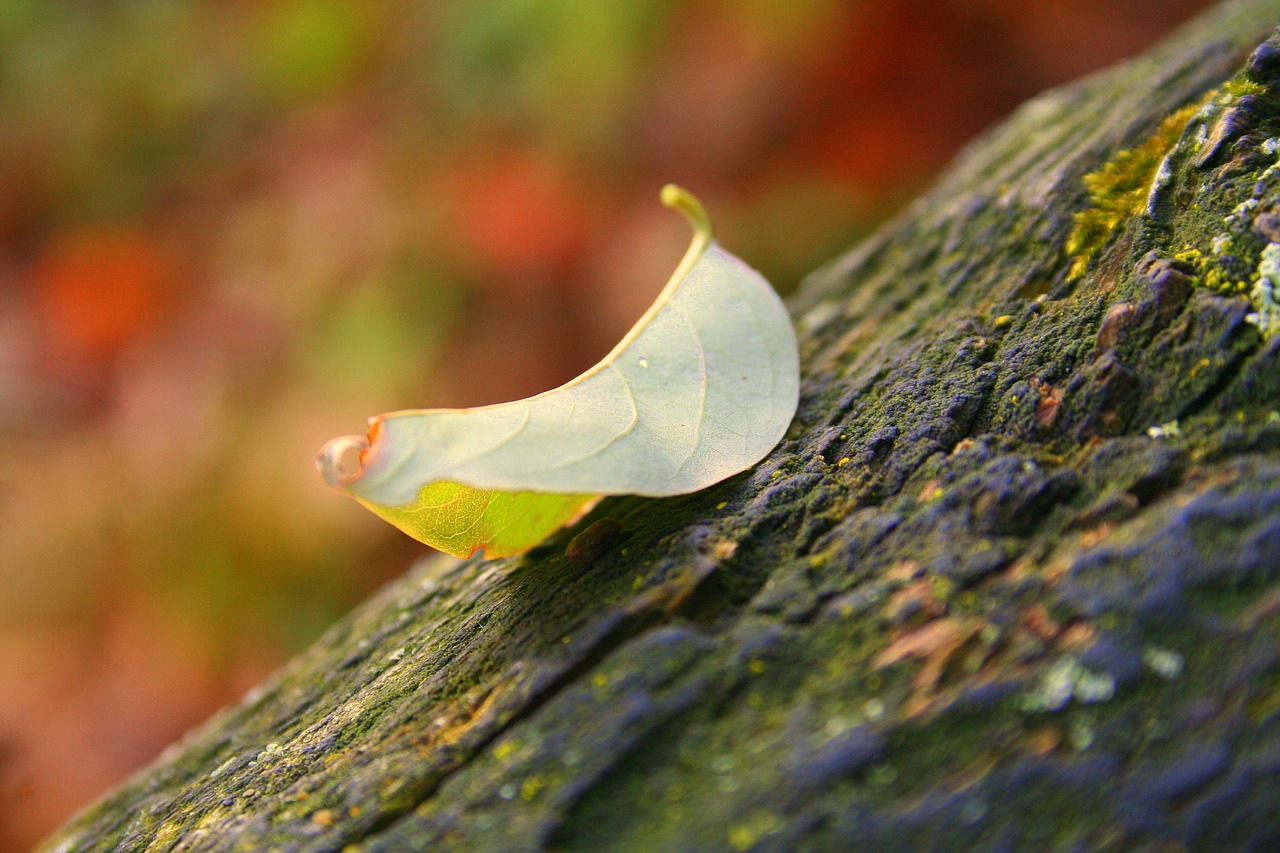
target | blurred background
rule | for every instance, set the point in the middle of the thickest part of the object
(230, 230)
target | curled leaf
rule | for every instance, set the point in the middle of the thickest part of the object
(701, 388)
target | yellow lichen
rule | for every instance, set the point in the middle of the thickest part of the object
(1189, 256)
(1210, 275)
(531, 787)
(755, 826)
(1118, 190)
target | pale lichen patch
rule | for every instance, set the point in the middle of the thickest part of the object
(1266, 315)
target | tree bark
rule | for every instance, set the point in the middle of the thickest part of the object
(1012, 581)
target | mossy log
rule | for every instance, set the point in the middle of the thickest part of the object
(1011, 582)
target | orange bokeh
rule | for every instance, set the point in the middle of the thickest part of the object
(97, 290)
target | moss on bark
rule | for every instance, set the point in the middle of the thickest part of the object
(1010, 582)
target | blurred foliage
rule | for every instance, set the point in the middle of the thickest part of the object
(230, 230)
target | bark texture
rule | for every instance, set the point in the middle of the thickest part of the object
(972, 601)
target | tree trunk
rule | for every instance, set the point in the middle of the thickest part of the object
(1012, 581)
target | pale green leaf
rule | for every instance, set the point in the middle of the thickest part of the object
(701, 388)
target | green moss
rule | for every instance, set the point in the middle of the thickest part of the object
(1266, 697)
(1242, 86)
(1118, 190)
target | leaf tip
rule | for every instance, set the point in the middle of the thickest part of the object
(341, 460)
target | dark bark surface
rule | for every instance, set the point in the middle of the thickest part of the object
(972, 601)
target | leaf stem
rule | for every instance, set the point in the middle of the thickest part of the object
(679, 199)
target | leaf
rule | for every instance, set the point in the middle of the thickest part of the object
(701, 388)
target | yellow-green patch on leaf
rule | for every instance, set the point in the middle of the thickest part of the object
(461, 520)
